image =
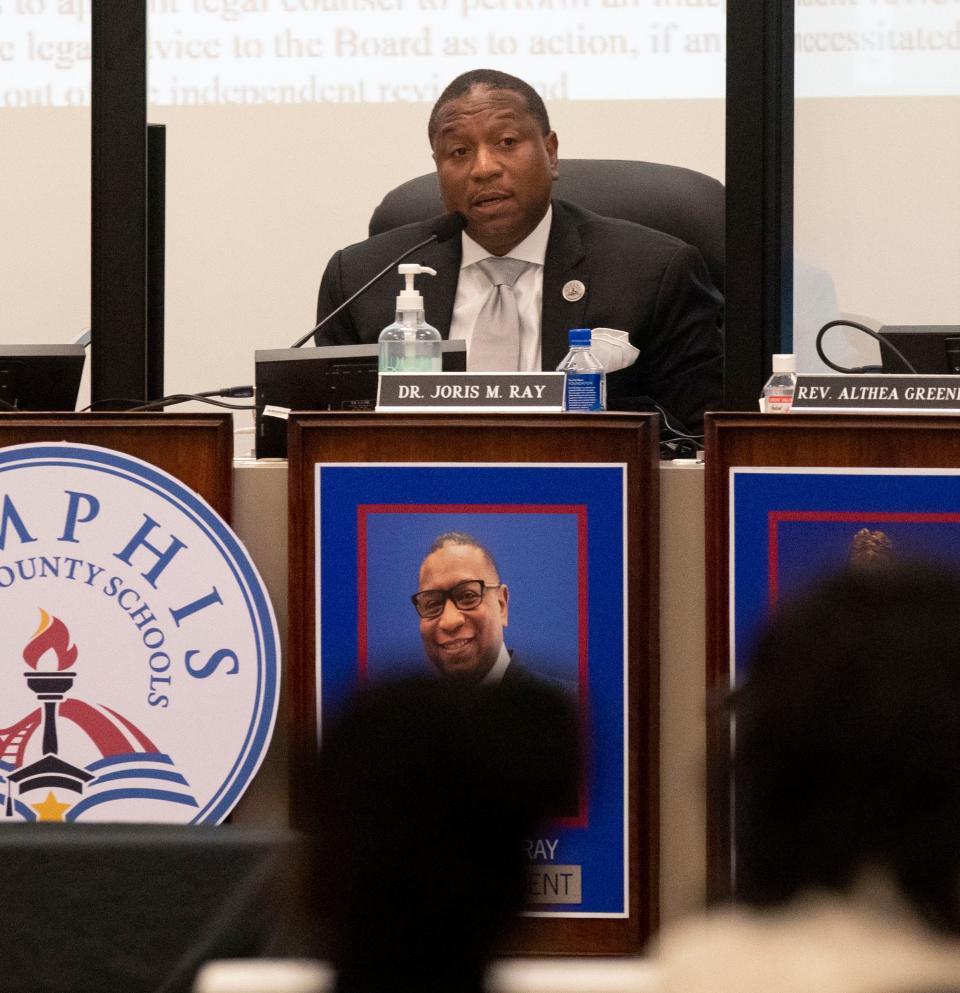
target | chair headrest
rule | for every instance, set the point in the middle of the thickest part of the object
(682, 202)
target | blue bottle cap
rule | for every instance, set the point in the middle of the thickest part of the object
(579, 336)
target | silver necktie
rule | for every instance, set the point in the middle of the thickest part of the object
(495, 343)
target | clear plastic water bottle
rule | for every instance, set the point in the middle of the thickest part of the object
(585, 382)
(777, 396)
(410, 344)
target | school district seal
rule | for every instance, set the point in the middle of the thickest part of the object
(139, 668)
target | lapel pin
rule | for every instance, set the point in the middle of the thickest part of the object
(573, 291)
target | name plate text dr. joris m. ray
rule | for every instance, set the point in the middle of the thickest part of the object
(466, 391)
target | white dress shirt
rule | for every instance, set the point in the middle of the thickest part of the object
(473, 288)
(495, 676)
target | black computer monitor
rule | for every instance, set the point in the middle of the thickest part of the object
(331, 377)
(134, 908)
(40, 377)
(932, 349)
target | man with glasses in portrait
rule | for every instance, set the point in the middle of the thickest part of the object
(463, 610)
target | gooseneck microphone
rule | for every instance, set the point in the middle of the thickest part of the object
(444, 228)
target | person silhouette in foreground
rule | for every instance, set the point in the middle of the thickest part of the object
(427, 790)
(847, 799)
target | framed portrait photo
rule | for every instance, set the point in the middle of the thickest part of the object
(544, 556)
(790, 501)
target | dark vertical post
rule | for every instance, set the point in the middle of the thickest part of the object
(759, 181)
(118, 252)
(156, 226)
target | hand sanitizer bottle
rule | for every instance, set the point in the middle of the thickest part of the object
(410, 344)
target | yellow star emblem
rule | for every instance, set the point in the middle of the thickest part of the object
(51, 809)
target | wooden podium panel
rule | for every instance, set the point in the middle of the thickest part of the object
(627, 441)
(792, 441)
(196, 448)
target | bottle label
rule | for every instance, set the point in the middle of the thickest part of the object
(779, 404)
(583, 391)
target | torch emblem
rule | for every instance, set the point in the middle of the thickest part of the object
(52, 788)
(50, 642)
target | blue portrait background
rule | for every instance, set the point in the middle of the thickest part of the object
(375, 523)
(807, 550)
(537, 557)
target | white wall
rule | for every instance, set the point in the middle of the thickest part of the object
(878, 203)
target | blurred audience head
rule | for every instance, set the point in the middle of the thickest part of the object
(427, 790)
(848, 742)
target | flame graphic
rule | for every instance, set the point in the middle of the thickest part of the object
(52, 634)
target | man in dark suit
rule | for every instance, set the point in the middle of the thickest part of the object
(496, 160)
(463, 610)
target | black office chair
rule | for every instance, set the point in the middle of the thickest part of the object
(681, 202)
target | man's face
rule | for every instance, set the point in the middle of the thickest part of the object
(494, 165)
(463, 644)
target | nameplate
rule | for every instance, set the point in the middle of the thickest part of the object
(466, 391)
(895, 394)
(554, 884)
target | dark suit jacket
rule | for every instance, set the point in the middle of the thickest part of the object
(649, 284)
(568, 781)
(517, 674)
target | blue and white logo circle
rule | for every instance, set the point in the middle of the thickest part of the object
(140, 668)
